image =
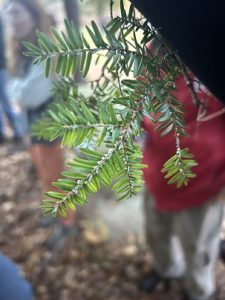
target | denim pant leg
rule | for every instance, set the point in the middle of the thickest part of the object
(6, 107)
(12, 285)
(1, 123)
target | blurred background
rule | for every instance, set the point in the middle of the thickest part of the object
(106, 254)
(106, 257)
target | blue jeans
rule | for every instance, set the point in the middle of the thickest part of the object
(12, 285)
(6, 108)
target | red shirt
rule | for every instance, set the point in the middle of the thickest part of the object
(206, 141)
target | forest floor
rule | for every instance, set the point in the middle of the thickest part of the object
(105, 261)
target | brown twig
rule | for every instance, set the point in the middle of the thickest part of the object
(111, 8)
(189, 83)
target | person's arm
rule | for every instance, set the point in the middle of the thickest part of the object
(32, 90)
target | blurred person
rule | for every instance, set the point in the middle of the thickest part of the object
(5, 105)
(183, 224)
(32, 90)
(12, 285)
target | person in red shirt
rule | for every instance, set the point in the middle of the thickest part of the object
(183, 224)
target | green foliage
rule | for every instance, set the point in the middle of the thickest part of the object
(179, 168)
(133, 83)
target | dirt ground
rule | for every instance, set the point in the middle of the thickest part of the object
(91, 265)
